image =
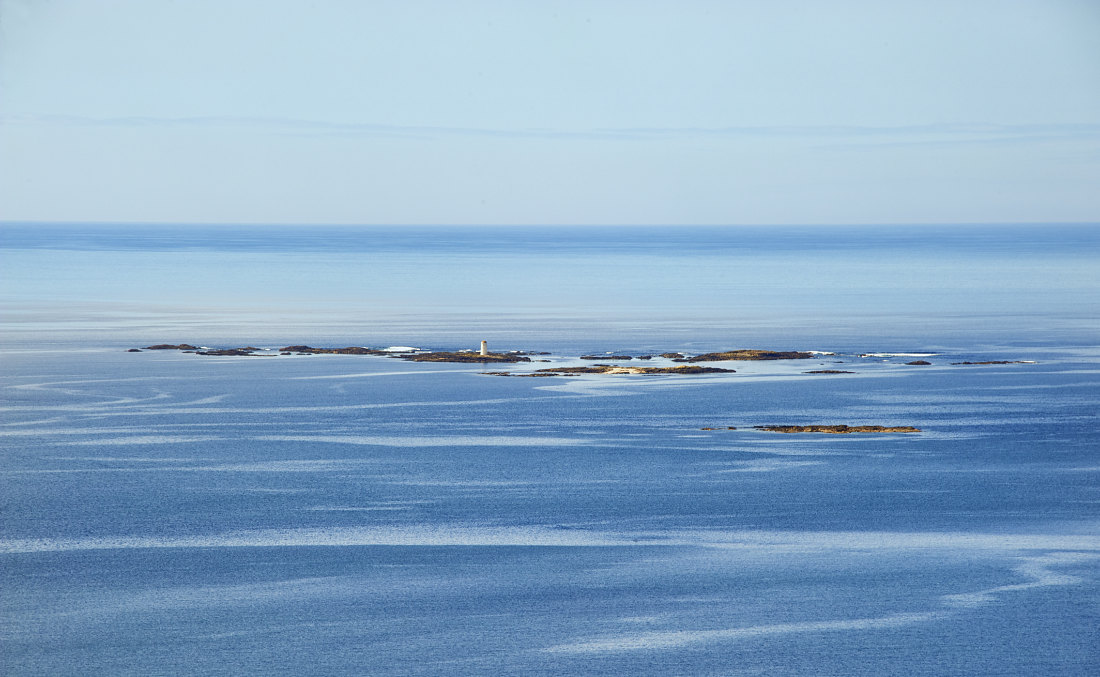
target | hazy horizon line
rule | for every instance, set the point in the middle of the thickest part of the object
(259, 224)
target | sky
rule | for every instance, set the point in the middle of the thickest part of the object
(543, 112)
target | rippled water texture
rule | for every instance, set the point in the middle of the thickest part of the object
(169, 513)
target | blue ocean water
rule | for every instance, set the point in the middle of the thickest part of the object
(169, 513)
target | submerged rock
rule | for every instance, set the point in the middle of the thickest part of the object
(922, 363)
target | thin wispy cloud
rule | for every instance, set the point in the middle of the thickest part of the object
(883, 135)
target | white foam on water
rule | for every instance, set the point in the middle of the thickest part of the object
(762, 465)
(420, 534)
(412, 535)
(177, 409)
(768, 466)
(142, 439)
(303, 465)
(42, 421)
(368, 374)
(770, 450)
(681, 638)
(127, 459)
(375, 507)
(1038, 569)
(823, 541)
(898, 354)
(441, 441)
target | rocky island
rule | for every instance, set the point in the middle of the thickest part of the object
(837, 429)
(442, 356)
(350, 350)
(463, 357)
(746, 354)
(616, 369)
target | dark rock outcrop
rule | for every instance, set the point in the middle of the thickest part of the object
(616, 369)
(922, 363)
(748, 354)
(606, 357)
(350, 350)
(996, 362)
(837, 429)
(464, 357)
(165, 346)
(528, 375)
(828, 371)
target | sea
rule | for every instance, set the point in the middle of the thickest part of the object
(164, 512)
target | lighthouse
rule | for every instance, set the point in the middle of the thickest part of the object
(484, 347)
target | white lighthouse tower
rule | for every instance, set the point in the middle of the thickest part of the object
(484, 347)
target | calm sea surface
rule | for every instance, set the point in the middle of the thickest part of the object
(166, 513)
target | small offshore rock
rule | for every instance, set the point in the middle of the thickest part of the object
(837, 429)
(751, 354)
(443, 356)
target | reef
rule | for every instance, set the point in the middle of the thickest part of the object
(350, 350)
(828, 371)
(606, 357)
(922, 363)
(615, 369)
(837, 429)
(747, 354)
(463, 357)
(520, 374)
(997, 362)
(165, 346)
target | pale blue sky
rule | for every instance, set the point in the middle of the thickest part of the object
(350, 111)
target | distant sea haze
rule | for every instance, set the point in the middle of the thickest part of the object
(455, 285)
